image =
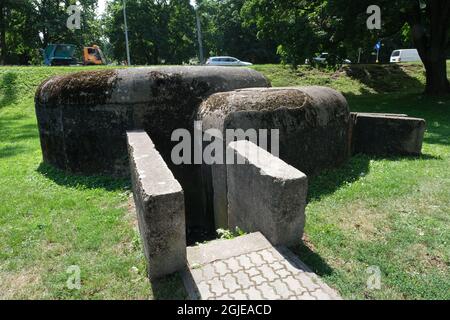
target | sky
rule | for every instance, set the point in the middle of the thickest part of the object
(101, 6)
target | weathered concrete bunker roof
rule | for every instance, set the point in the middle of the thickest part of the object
(144, 84)
(326, 102)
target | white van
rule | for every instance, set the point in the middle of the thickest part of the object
(405, 55)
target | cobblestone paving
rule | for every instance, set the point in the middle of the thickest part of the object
(268, 274)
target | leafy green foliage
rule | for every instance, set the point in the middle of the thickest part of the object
(225, 234)
(290, 24)
(226, 32)
(30, 25)
(166, 32)
(159, 31)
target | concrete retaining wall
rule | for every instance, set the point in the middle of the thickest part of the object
(159, 203)
(265, 194)
(387, 134)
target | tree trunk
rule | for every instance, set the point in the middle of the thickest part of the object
(436, 74)
(431, 42)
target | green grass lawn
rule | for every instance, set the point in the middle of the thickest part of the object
(391, 213)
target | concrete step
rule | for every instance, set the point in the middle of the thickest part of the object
(250, 268)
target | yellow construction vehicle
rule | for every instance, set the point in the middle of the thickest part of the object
(64, 55)
(93, 56)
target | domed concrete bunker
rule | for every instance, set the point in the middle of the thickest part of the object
(313, 121)
(83, 119)
(83, 116)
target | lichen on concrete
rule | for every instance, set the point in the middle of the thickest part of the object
(313, 121)
(255, 100)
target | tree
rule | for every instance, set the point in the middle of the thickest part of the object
(427, 22)
(29, 25)
(18, 35)
(291, 24)
(429, 25)
(303, 28)
(227, 33)
(159, 31)
(181, 31)
(51, 19)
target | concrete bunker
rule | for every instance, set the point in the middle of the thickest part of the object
(84, 118)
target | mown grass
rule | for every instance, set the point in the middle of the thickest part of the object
(355, 79)
(391, 213)
(50, 220)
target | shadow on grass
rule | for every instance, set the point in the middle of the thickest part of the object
(63, 178)
(312, 260)
(384, 78)
(357, 167)
(169, 288)
(11, 151)
(331, 180)
(8, 89)
(13, 130)
(441, 136)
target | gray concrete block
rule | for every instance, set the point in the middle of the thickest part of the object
(221, 250)
(220, 201)
(387, 134)
(265, 194)
(159, 203)
(313, 124)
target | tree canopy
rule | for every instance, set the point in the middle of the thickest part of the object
(259, 31)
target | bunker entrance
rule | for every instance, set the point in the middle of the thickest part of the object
(197, 188)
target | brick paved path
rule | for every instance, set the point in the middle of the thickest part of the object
(250, 268)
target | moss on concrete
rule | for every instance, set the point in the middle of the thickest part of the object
(80, 88)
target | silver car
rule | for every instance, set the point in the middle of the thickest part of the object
(322, 59)
(226, 61)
